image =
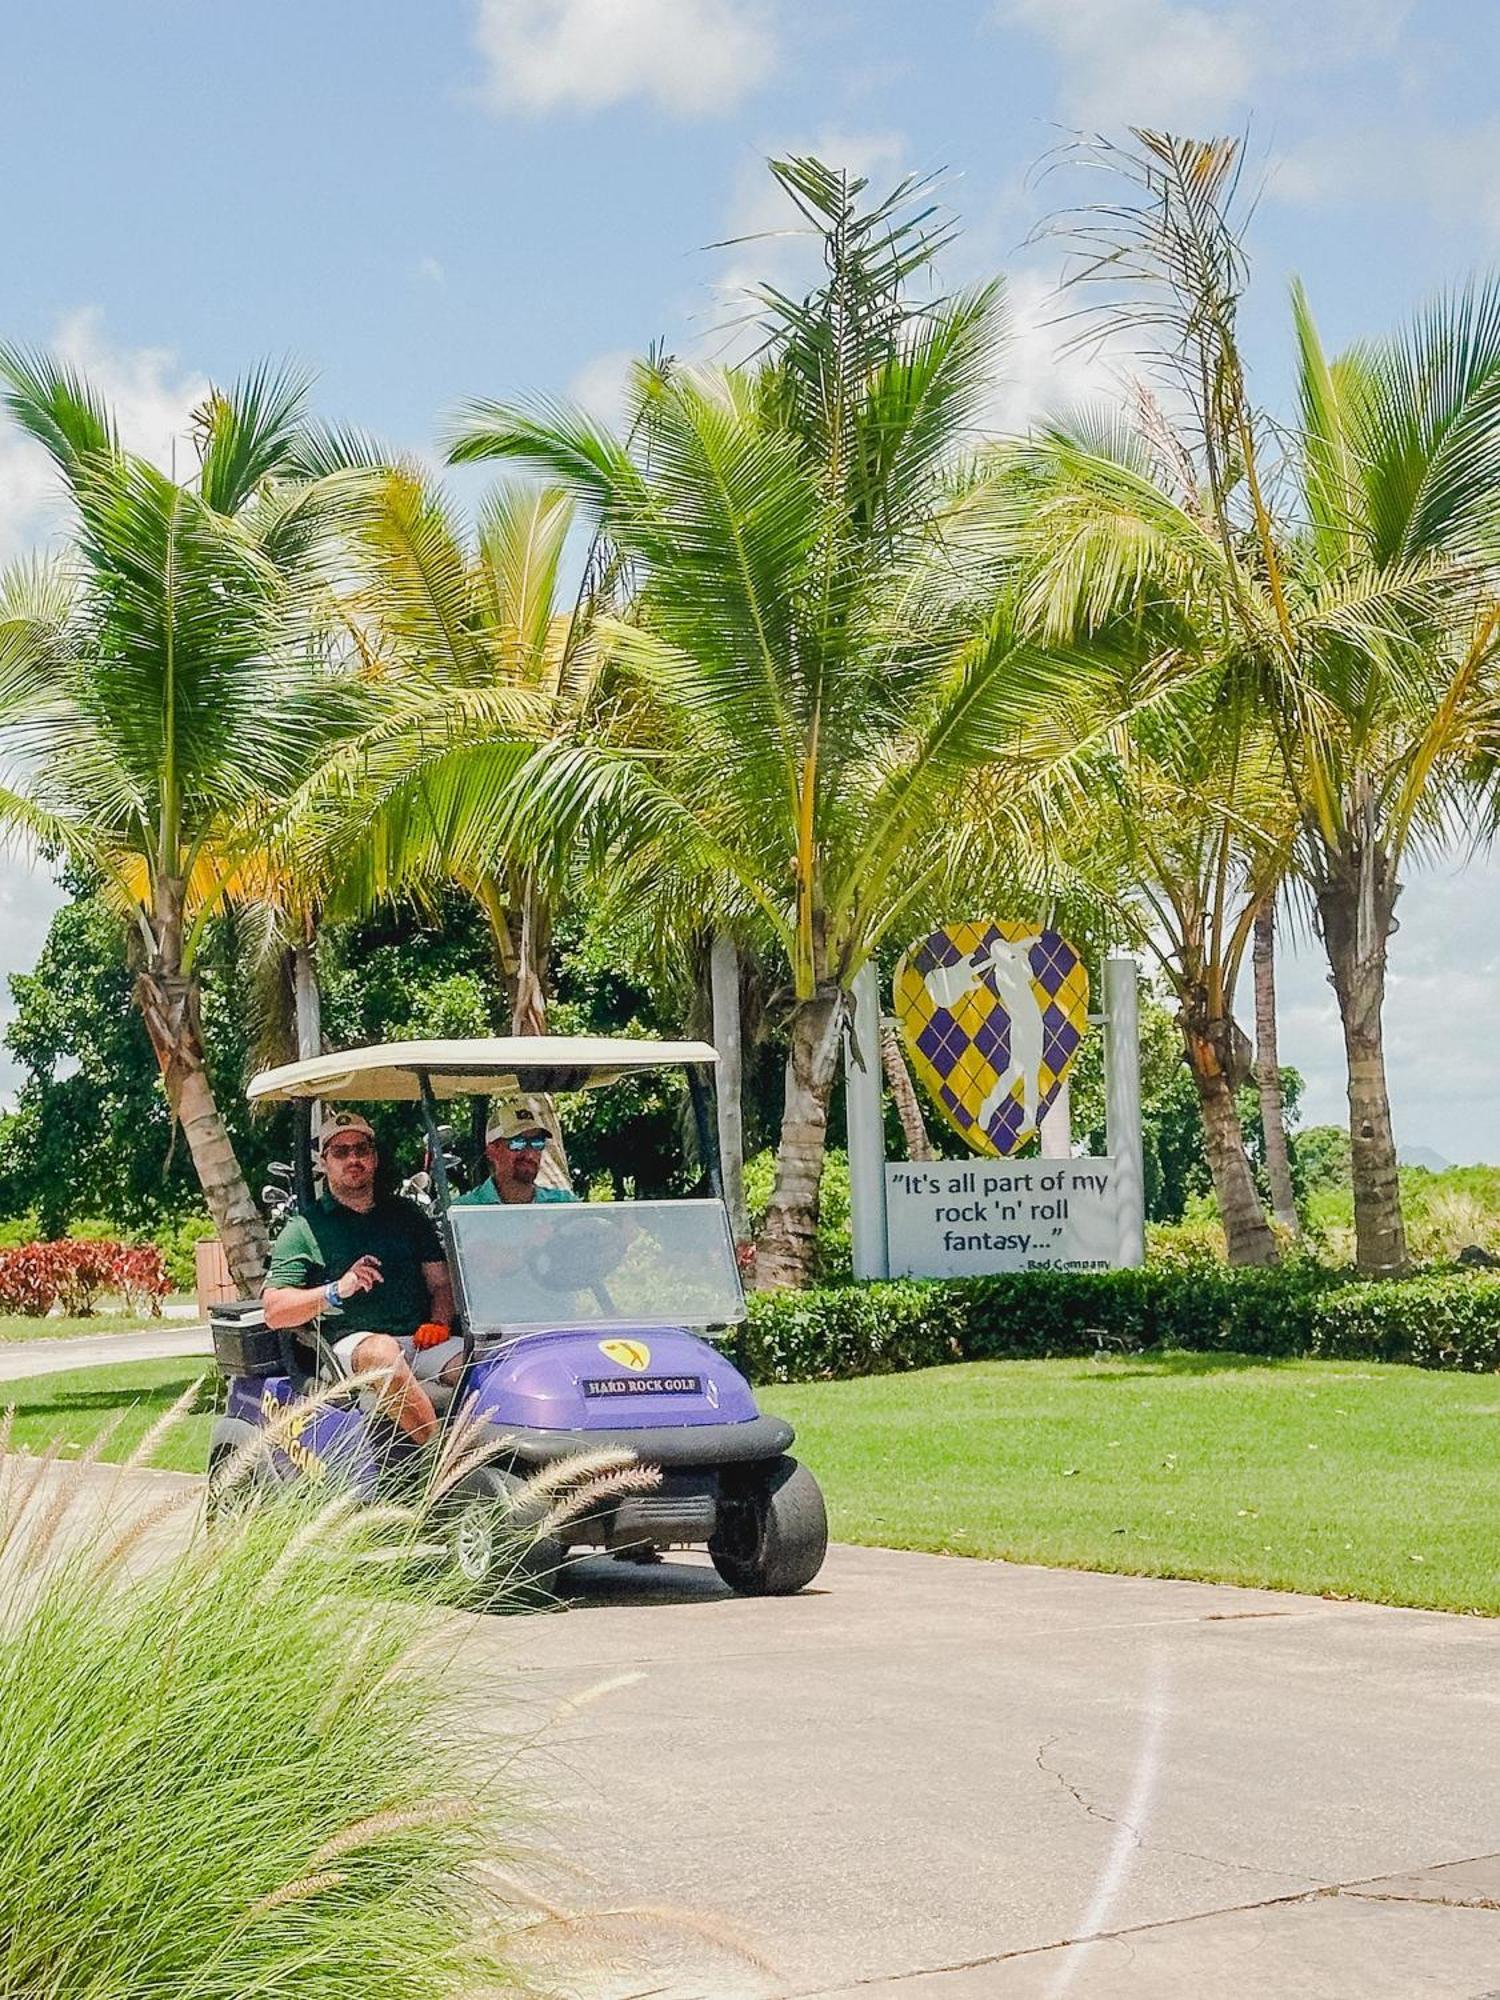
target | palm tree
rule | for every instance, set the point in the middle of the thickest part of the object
(1167, 801)
(822, 662)
(159, 691)
(1352, 609)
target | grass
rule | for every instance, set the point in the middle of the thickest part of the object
(76, 1405)
(1336, 1478)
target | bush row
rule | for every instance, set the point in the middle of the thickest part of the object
(1440, 1320)
(35, 1277)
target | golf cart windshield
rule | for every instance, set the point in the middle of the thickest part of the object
(608, 1263)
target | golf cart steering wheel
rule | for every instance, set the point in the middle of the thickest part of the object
(575, 1266)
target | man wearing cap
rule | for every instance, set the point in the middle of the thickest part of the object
(373, 1263)
(514, 1142)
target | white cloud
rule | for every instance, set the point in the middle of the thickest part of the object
(1041, 372)
(1451, 172)
(1143, 62)
(430, 270)
(601, 385)
(1196, 68)
(692, 57)
(152, 399)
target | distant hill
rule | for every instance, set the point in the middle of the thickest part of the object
(1422, 1156)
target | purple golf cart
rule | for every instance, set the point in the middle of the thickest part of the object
(587, 1325)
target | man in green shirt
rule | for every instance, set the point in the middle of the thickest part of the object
(376, 1262)
(514, 1142)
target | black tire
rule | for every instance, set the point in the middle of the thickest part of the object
(495, 1551)
(773, 1530)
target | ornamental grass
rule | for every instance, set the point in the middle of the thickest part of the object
(225, 1770)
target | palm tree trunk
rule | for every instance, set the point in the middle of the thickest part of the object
(1268, 1070)
(786, 1254)
(1356, 905)
(169, 1002)
(1218, 1055)
(904, 1096)
(307, 1000)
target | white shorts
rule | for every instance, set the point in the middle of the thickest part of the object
(426, 1363)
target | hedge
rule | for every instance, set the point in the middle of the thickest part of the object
(1444, 1319)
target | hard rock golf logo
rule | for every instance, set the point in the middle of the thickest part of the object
(628, 1353)
(992, 1014)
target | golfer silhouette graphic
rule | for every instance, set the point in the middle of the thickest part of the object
(1005, 965)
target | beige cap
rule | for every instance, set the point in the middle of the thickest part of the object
(512, 1116)
(343, 1121)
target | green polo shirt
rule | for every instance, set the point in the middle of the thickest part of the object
(487, 1195)
(322, 1244)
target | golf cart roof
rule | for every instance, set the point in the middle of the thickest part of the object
(390, 1071)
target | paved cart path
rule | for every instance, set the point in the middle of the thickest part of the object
(20, 1358)
(926, 1778)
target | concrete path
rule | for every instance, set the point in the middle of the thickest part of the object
(929, 1778)
(19, 1358)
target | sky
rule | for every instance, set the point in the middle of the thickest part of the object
(511, 198)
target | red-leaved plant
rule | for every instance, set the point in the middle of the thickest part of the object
(75, 1275)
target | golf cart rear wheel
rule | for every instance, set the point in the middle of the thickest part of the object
(773, 1531)
(495, 1541)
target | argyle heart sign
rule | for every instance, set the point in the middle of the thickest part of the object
(992, 1014)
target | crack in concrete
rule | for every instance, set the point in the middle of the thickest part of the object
(1141, 1842)
(1350, 1890)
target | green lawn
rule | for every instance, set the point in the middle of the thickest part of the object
(73, 1407)
(1334, 1477)
(1361, 1481)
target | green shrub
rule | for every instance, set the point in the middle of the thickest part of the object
(1447, 1319)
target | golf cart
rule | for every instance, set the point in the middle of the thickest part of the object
(587, 1325)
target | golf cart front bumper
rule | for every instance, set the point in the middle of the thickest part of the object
(672, 1449)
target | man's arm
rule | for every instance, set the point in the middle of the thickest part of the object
(440, 1301)
(295, 1305)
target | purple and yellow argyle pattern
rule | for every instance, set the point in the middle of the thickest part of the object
(957, 1028)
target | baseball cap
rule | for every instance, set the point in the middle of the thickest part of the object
(510, 1117)
(343, 1121)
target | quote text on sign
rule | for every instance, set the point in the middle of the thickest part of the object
(967, 1218)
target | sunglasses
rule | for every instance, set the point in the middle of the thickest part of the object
(357, 1151)
(534, 1142)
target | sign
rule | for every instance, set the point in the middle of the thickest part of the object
(642, 1385)
(992, 1014)
(969, 1218)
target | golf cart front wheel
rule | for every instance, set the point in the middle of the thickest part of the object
(773, 1531)
(495, 1541)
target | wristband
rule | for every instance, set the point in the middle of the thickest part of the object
(331, 1297)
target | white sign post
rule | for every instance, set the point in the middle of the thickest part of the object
(866, 1127)
(973, 1217)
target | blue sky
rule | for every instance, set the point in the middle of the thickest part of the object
(497, 197)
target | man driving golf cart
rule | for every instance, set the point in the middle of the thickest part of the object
(515, 1141)
(374, 1265)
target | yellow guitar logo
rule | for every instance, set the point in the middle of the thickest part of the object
(629, 1353)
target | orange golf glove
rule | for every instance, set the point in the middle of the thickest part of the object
(430, 1334)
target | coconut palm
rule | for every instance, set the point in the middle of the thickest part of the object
(818, 646)
(1348, 602)
(159, 691)
(1170, 801)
